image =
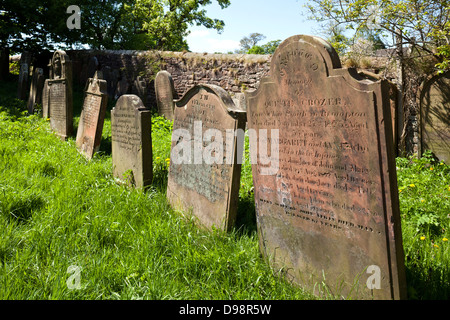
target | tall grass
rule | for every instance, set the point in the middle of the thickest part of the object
(58, 210)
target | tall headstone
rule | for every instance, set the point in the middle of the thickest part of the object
(435, 117)
(165, 94)
(37, 84)
(90, 127)
(45, 100)
(206, 155)
(60, 95)
(131, 141)
(324, 174)
(24, 73)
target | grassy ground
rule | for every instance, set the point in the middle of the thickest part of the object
(59, 212)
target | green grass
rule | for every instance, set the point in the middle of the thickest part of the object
(59, 210)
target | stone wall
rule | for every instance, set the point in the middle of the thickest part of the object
(233, 72)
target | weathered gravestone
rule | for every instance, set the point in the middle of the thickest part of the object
(60, 95)
(324, 174)
(45, 100)
(140, 89)
(165, 94)
(205, 162)
(131, 141)
(90, 127)
(37, 83)
(435, 117)
(24, 73)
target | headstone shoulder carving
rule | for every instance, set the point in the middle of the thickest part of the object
(60, 95)
(326, 202)
(204, 168)
(131, 141)
(434, 128)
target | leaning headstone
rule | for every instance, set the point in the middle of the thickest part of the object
(435, 117)
(60, 95)
(324, 174)
(131, 141)
(90, 127)
(35, 96)
(205, 162)
(165, 94)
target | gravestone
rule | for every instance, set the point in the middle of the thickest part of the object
(205, 161)
(131, 141)
(37, 83)
(140, 89)
(324, 174)
(123, 87)
(23, 81)
(24, 73)
(60, 95)
(435, 117)
(90, 127)
(165, 94)
(45, 100)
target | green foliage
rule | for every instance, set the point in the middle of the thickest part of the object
(59, 210)
(422, 24)
(424, 193)
(268, 48)
(112, 24)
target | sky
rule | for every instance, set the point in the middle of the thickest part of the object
(275, 19)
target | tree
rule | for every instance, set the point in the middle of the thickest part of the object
(105, 24)
(268, 48)
(246, 43)
(424, 25)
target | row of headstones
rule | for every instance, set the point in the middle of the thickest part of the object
(325, 195)
(322, 163)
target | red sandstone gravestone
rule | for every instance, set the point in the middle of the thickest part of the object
(90, 127)
(204, 169)
(131, 141)
(330, 213)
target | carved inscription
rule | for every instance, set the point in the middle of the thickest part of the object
(57, 104)
(203, 175)
(324, 212)
(92, 117)
(131, 141)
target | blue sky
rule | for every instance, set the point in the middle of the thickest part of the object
(276, 19)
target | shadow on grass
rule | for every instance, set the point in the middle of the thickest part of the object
(431, 284)
(246, 215)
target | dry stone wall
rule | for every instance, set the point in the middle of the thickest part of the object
(233, 72)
